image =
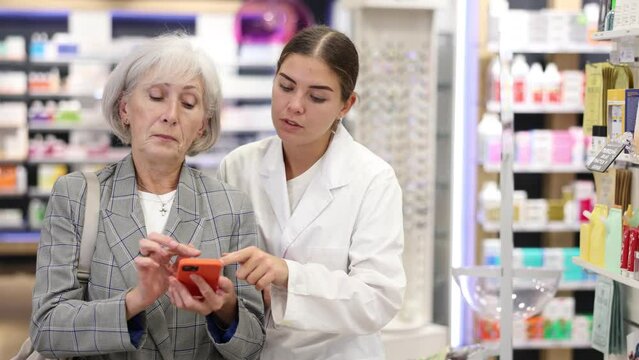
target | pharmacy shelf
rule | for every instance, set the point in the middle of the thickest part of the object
(18, 249)
(112, 156)
(544, 344)
(64, 95)
(11, 161)
(495, 107)
(8, 125)
(577, 285)
(13, 97)
(615, 34)
(11, 193)
(19, 243)
(36, 192)
(607, 273)
(12, 62)
(67, 126)
(73, 60)
(575, 48)
(549, 227)
(519, 168)
(628, 158)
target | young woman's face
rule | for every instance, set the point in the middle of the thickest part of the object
(164, 118)
(306, 101)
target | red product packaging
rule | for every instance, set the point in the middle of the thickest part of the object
(624, 246)
(633, 245)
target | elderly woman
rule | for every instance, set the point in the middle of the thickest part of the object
(164, 100)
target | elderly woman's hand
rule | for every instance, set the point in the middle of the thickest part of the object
(258, 267)
(154, 268)
(222, 301)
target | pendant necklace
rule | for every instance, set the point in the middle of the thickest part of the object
(163, 209)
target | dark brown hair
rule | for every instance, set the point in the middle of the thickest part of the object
(332, 47)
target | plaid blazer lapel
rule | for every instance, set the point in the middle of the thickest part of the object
(184, 223)
(124, 227)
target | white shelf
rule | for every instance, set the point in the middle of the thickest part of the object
(568, 168)
(112, 156)
(63, 94)
(552, 344)
(394, 4)
(615, 34)
(549, 227)
(575, 48)
(628, 158)
(68, 126)
(495, 107)
(73, 60)
(604, 272)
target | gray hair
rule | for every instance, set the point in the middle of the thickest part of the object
(172, 56)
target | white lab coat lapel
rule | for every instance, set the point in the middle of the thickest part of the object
(274, 182)
(332, 174)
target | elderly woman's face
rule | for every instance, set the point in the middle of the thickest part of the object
(164, 117)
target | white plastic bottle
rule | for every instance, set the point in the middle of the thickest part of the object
(519, 71)
(490, 202)
(536, 84)
(489, 129)
(494, 81)
(552, 84)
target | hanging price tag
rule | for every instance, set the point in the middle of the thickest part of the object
(606, 156)
(627, 50)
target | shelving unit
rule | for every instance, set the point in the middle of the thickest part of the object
(553, 169)
(546, 344)
(245, 117)
(609, 274)
(615, 34)
(537, 109)
(550, 227)
(539, 181)
(548, 48)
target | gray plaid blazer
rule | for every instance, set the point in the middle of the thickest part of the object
(206, 213)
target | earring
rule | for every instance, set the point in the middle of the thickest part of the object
(335, 125)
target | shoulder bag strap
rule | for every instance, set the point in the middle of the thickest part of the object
(90, 229)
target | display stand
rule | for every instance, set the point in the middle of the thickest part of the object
(396, 118)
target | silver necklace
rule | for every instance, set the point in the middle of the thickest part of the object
(163, 210)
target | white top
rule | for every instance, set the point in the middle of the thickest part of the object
(343, 247)
(152, 205)
(297, 186)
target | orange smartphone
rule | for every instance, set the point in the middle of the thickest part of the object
(208, 269)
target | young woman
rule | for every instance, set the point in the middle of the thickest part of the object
(328, 209)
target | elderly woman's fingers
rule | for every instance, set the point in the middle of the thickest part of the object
(165, 247)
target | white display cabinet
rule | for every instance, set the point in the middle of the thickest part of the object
(395, 118)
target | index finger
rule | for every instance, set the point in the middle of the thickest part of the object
(174, 247)
(235, 257)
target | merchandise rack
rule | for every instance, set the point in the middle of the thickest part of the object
(550, 177)
(238, 90)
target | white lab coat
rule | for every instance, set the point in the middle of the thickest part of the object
(343, 246)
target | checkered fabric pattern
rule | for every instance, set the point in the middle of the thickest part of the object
(206, 214)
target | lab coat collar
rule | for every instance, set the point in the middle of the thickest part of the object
(334, 173)
(336, 161)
